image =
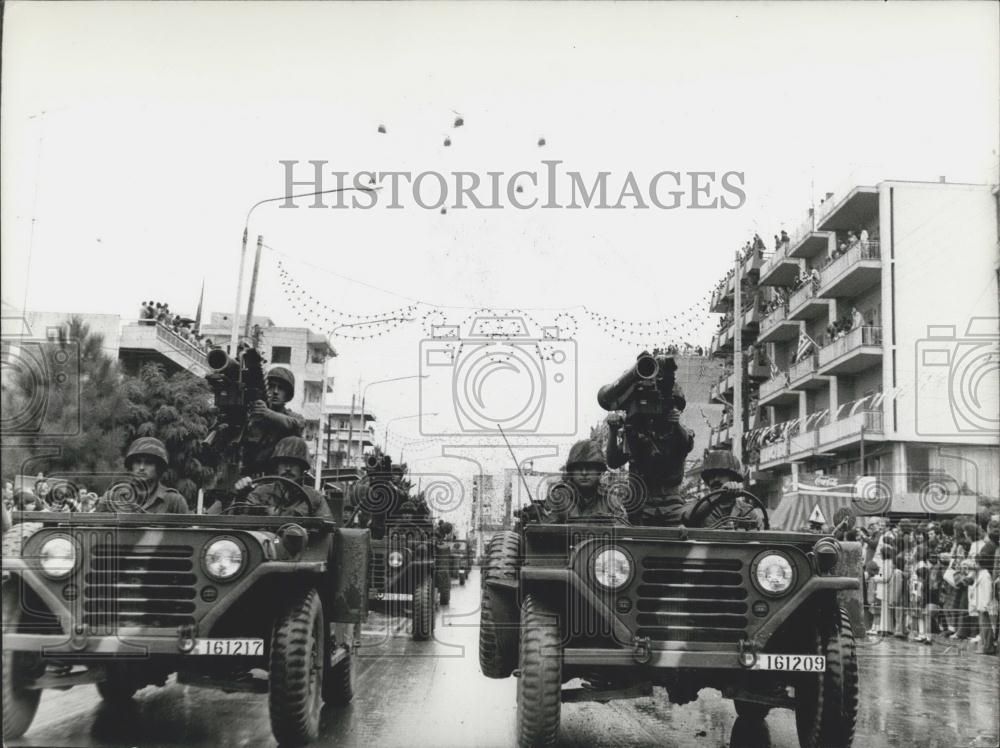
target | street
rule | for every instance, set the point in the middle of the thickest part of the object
(431, 693)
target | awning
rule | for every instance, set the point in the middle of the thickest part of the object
(795, 509)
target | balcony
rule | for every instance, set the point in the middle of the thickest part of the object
(722, 388)
(722, 342)
(853, 272)
(804, 304)
(779, 269)
(722, 299)
(776, 326)
(752, 264)
(312, 411)
(140, 342)
(847, 431)
(802, 375)
(757, 370)
(772, 455)
(859, 208)
(720, 438)
(858, 350)
(775, 391)
(811, 244)
(802, 444)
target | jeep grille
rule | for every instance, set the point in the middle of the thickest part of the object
(143, 585)
(691, 600)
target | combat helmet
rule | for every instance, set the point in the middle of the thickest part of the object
(148, 446)
(283, 375)
(293, 449)
(720, 463)
(585, 452)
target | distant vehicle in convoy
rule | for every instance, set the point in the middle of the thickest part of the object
(402, 565)
(767, 618)
(460, 560)
(124, 600)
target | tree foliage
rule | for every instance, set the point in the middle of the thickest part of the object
(177, 410)
(63, 406)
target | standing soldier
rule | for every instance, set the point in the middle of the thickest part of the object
(655, 447)
(580, 493)
(146, 461)
(271, 422)
(289, 460)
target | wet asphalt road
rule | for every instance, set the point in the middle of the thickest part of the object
(432, 694)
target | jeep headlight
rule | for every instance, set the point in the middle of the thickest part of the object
(774, 574)
(57, 557)
(612, 568)
(223, 559)
(395, 559)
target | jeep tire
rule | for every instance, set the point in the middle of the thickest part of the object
(298, 646)
(117, 688)
(423, 609)
(539, 689)
(19, 704)
(498, 644)
(444, 588)
(338, 682)
(826, 704)
(750, 710)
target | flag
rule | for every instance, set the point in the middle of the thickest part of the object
(201, 300)
(806, 344)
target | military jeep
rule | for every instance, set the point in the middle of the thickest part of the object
(461, 560)
(402, 564)
(238, 603)
(767, 618)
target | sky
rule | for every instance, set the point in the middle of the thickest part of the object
(136, 136)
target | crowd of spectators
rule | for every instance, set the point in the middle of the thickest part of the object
(847, 322)
(46, 495)
(929, 579)
(686, 349)
(853, 239)
(157, 313)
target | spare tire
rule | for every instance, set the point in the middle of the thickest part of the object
(498, 639)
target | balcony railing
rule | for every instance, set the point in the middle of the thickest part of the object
(802, 442)
(803, 368)
(802, 295)
(867, 250)
(775, 384)
(776, 257)
(851, 426)
(772, 452)
(859, 337)
(777, 315)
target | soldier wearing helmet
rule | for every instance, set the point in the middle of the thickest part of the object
(271, 421)
(289, 460)
(580, 493)
(721, 471)
(146, 461)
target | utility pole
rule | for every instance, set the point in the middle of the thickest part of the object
(253, 287)
(350, 434)
(235, 337)
(319, 465)
(738, 365)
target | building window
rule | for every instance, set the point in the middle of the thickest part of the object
(281, 354)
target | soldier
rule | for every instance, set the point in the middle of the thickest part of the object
(290, 460)
(580, 493)
(271, 422)
(146, 460)
(655, 450)
(721, 471)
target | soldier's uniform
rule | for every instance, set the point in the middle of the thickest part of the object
(135, 496)
(564, 500)
(279, 500)
(656, 455)
(263, 434)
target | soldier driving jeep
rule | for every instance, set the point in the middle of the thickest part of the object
(289, 461)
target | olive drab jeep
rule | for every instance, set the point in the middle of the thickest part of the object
(402, 565)
(460, 560)
(767, 618)
(124, 600)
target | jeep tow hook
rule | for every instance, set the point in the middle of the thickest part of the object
(641, 651)
(747, 654)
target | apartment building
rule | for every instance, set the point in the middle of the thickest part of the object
(346, 431)
(884, 354)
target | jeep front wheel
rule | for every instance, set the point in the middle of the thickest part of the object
(423, 609)
(826, 704)
(444, 588)
(298, 647)
(19, 703)
(539, 689)
(338, 681)
(498, 645)
(117, 688)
